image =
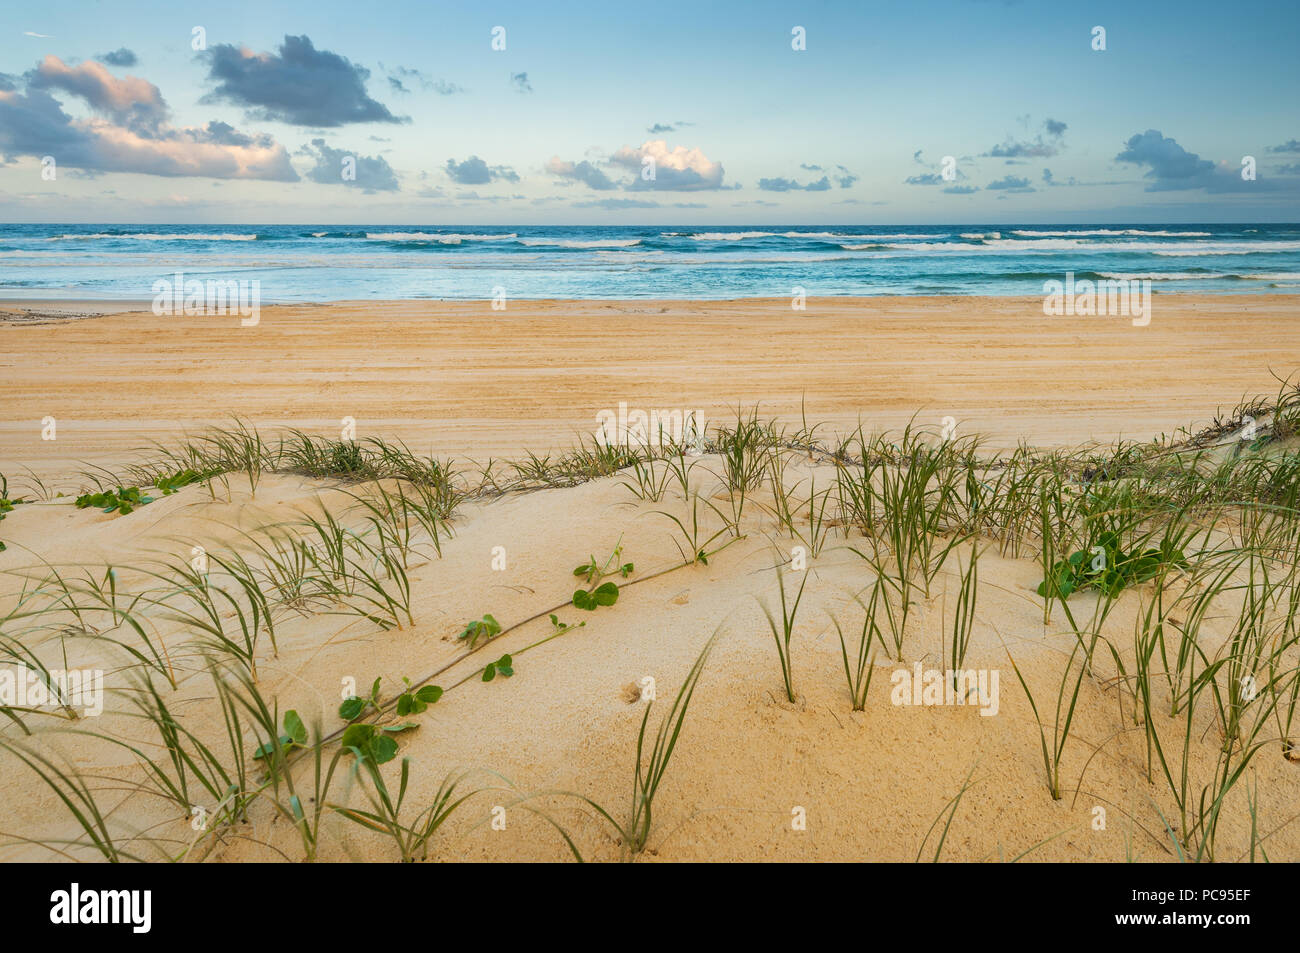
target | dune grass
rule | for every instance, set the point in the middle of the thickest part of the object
(789, 611)
(1199, 531)
(858, 673)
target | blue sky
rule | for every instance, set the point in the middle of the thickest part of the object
(259, 125)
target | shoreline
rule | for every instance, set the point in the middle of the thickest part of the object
(101, 307)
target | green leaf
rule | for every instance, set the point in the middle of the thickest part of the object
(606, 594)
(351, 708)
(358, 736)
(371, 742)
(294, 726)
(406, 704)
(384, 749)
(429, 694)
(582, 600)
(399, 728)
(1063, 575)
(487, 626)
(1144, 568)
(489, 671)
(268, 749)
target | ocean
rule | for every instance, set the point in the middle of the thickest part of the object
(331, 262)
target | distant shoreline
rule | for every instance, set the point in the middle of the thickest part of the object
(28, 310)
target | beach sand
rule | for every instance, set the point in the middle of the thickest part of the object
(459, 379)
(462, 380)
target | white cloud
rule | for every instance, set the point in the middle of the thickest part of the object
(678, 169)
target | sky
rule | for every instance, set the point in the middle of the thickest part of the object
(623, 113)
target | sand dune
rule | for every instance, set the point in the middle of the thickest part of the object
(869, 784)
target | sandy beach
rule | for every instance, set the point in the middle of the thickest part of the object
(459, 379)
(756, 777)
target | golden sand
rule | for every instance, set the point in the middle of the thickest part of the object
(460, 379)
(457, 378)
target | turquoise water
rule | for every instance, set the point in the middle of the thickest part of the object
(330, 262)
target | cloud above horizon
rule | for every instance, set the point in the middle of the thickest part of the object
(398, 77)
(660, 128)
(1044, 145)
(584, 172)
(132, 101)
(675, 170)
(790, 185)
(474, 171)
(843, 176)
(129, 132)
(934, 178)
(119, 57)
(1172, 168)
(300, 85)
(1010, 183)
(614, 204)
(369, 173)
